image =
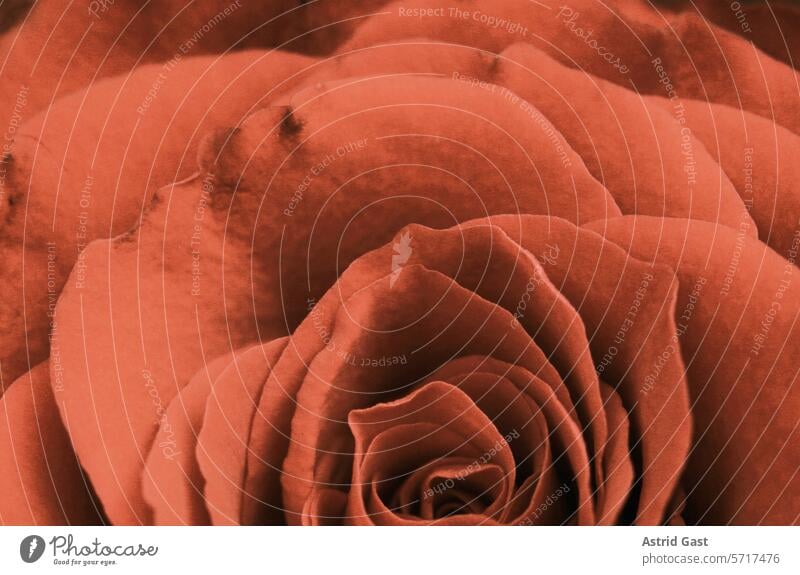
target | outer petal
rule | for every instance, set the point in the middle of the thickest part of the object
(699, 59)
(224, 444)
(93, 160)
(378, 154)
(171, 481)
(61, 48)
(629, 144)
(758, 156)
(629, 318)
(42, 482)
(738, 313)
(637, 150)
(150, 309)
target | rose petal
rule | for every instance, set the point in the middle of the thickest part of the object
(441, 421)
(642, 168)
(460, 323)
(223, 446)
(423, 487)
(325, 507)
(508, 407)
(563, 437)
(629, 319)
(485, 260)
(42, 483)
(172, 483)
(134, 330)
(60, 48)
(436, 166)
(758, 156)
(616, 488)
(739, 303)
(767, 25)
(700, 60)
(95, 168)
(628, 143)
(32, 278)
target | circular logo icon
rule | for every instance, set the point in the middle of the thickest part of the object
(31, 548)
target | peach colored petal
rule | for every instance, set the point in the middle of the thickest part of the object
(629, 319)
(628, 143)
(741, 374)
(423, 318)
(223, 446)
(437, 421)
(42, 482)
(172, 484)
(700, 60)
(564, 438)
(615, 489)
(423, 150)
(758, 157)
(138, 326)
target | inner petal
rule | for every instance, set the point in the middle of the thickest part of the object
(435, 432)
(459, 489)
(336, 382)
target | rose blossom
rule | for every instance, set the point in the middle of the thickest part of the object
(446, 275)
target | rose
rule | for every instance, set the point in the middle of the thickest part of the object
(484, 383)
(601, 374)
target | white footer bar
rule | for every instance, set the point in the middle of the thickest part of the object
(401, 551)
